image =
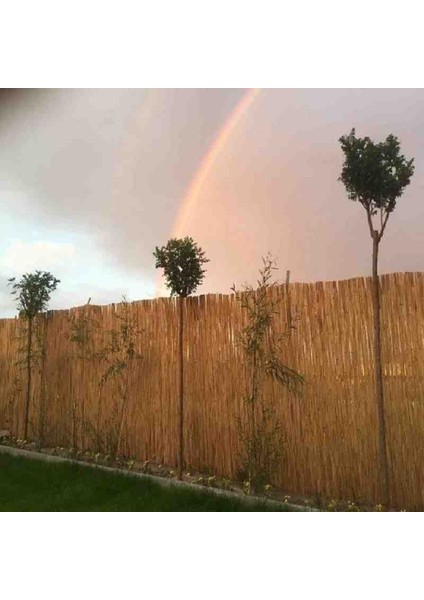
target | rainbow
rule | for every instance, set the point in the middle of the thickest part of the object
(193, 191)
(196, 184)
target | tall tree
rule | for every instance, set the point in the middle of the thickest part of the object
(181, 261)
(376, 174)
(32, 294)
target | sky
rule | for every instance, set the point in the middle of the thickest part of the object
(91, 180)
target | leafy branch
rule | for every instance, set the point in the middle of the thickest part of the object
(260, 431)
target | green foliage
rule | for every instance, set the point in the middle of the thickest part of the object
(21, 341)
(118, 353)
(375, 174)
(263, 440)
(82, 328)
(261, 345)
(120, 348)
(181, 260)
(261, 433)
(32, 358)
(32, 292)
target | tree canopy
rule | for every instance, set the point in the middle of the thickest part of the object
(32, 292)
(375, 174)
(181, 260)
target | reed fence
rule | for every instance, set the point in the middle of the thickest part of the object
(331, 431)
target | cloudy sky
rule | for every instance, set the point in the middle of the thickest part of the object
(92, 180)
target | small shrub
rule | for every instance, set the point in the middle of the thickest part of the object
(261, 433)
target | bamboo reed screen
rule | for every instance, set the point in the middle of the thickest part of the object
(331, 431)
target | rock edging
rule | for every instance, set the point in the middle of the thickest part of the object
(162, 481)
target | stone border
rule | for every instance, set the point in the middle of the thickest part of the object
(162, 481)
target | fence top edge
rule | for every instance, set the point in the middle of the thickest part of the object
(202, 299)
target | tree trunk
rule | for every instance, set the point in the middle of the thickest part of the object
(289, 316)
(382, 446)
(289, 328)
(43, 390)
(120, 430)
(82, 428)
(74, 426)
(181, 399)
(28, 390)
(252, 424)
(254, 393)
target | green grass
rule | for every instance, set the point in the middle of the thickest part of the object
(30, 485)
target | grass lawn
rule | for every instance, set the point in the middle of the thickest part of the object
(30, 485)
